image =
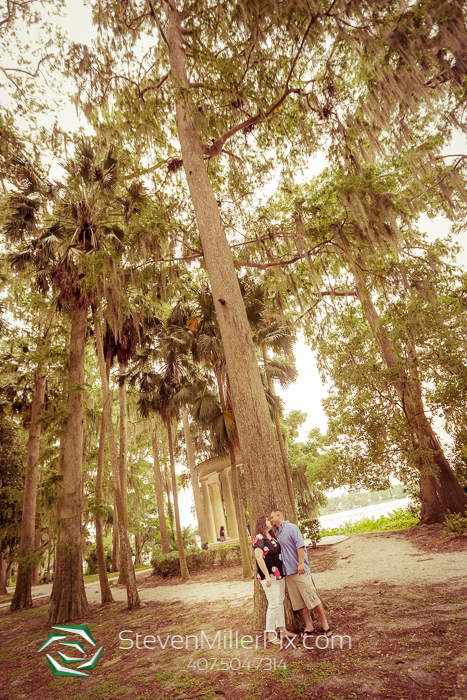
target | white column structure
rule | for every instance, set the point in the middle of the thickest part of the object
(219, 515)
(208, 511)
(232, 530)
(208, 473)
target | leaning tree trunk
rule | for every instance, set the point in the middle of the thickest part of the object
(125, 549)
(280, 439)
(200, 514)
(181, 552)
(439, 489)
(123, 459)
(106, 594)
(158, 487)
(68, 600)
(264, 475)
(245, 550)
(22, 596)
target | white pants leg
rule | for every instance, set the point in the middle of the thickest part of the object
(275, 593)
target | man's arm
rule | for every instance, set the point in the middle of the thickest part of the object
(301, 560)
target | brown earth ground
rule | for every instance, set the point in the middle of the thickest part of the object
(407, 641)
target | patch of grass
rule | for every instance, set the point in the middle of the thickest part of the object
(399, 519)
(101, 692)
(90, 578)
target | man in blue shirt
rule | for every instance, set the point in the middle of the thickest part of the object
(295, 566)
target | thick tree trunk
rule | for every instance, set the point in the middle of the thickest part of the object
(125, 549)
(439, 489)
(3, 579)
(200, 515)
(280, 439)
(22, 595)
(181, 552)
(123, 460)
(68, 600)
(106, 594)
(245, 549)
(264, 474)
(158, 487)
(115, 541)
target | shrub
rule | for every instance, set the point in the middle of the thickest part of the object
(169, 565)
(455, 524)
(311, 530)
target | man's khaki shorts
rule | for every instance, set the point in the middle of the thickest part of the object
(302, 591)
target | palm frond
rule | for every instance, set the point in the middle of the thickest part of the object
(281, 371)
(277, 337)
(205, 409)
(275, 403)
(224, 431)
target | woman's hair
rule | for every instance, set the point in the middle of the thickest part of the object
(261, 528)
(222, 530)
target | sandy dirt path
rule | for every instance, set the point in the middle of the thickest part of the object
(361, 559)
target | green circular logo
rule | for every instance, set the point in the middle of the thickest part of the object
(76, 652)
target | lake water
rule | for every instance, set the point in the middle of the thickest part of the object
(375, 510)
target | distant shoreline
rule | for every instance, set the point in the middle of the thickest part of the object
(354, 514)
(377, 503)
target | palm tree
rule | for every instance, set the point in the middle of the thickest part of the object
(213, 413)
(125, 549)
(85, 221)
(157, 392)
(184, 397)
(158, 486)
(25, 205)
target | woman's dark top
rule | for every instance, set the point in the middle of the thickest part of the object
(272, 557)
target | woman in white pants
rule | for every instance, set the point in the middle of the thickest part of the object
(269, 574)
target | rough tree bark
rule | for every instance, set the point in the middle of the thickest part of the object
(4, 576)
(439, 489)
(125, 549)
(158, 487)
(138, 559)
(115, 541)
(68, 600)
(264, 475)
(123, 460)
(169, 505)
(181, 552)
(22, 596)
(200, 515)
(37, 547)
(245, 550)
(280, 439)
(106, 594)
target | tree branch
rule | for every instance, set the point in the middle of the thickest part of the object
(19, 70)
(216, 148)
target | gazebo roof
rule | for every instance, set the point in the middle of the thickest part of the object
(215, 465)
